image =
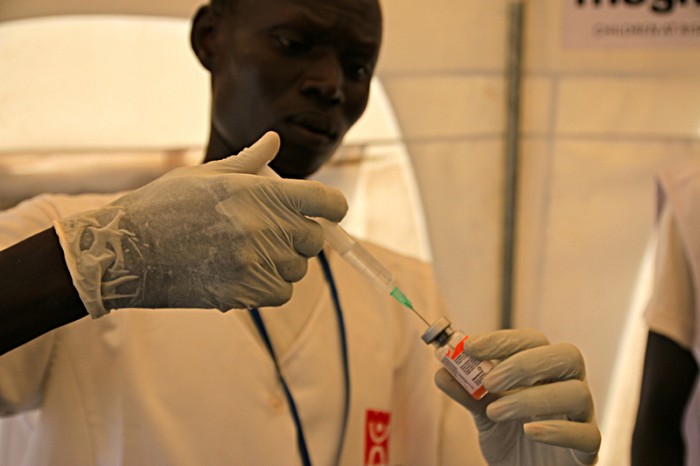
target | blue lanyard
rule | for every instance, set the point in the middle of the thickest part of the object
(260, 325)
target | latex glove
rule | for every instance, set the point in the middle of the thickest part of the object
(210, 236)
(538, 401)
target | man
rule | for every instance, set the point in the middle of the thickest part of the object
(336, 375)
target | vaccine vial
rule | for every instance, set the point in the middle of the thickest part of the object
(449, 350)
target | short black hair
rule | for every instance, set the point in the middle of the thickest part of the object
(222, 6)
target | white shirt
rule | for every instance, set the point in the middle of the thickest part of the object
(670, 308)
(673, 309)
(197, 387)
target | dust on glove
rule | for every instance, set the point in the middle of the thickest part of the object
(211, 236)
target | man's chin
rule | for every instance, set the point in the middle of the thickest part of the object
(299, 162)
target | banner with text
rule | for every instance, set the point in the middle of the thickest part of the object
(622, 23)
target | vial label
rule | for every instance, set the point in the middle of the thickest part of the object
(469, 372)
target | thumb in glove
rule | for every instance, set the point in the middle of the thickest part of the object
(210, 236)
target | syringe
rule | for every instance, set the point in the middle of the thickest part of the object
(369, 267)
(349, 249)
(449, 343)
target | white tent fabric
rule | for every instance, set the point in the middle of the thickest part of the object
(623, 394)
(105, 119)
(597, 123)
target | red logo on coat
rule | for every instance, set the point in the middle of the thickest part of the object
(377, 430)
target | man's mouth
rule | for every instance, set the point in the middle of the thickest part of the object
(316, 123)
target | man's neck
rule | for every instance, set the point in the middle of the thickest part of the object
(218, 148)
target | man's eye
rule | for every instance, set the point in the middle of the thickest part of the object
(359, 71)
(291, 44)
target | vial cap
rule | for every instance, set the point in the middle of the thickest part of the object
(434, 331)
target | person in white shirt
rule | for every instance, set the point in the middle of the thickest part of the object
(336, 373)
(667, 428)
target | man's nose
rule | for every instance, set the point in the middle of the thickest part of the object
(324, 80)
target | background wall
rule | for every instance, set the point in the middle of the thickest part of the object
(597, 124)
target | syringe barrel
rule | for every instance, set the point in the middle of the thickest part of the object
(349, 249)
(357, 256)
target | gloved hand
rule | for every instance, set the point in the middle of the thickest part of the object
(537, 397)
(210, 236)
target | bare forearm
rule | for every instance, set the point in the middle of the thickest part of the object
(669, 376)
(36, 292)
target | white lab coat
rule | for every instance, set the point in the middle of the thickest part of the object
(186, 387)
(674, 308)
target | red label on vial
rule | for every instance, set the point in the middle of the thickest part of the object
(469, 372)
(459, 349)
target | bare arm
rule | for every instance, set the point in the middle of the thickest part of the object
(37, 294)
(669, 376)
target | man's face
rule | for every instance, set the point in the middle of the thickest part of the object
(299, 67)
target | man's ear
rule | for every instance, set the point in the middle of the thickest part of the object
(202, 36)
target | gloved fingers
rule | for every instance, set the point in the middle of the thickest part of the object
(262, 289)
(503, 343)
(251, 159)
(313, 199)
(269, 289)
(586, 458)
(584, 438)
(293, 269)
(276, 259)
(452, 388)
(570, 398)
(308, 240)
(560, 361)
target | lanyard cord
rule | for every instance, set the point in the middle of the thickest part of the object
(260, 325)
